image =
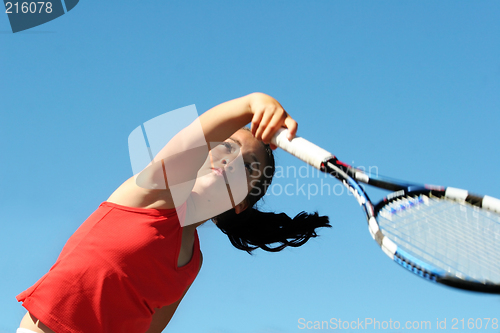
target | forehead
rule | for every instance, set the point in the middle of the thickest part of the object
(252, 149)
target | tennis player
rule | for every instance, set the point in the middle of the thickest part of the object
(128, 266)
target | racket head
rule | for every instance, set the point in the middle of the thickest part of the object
(468, 252)
(445, 235)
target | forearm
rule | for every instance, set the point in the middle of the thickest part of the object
(221, 121)
(264, 112)
(215, 125)
(187, 151)
(182, 157)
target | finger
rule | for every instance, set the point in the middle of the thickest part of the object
(266, 118)
(273, 147)
(256, 119)
(274, 125)
(292, 126)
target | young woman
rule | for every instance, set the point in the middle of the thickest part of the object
(129, 264)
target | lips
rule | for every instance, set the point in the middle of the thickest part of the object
(217, 171)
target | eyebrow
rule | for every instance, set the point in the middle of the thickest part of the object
(252, 155)
(235, 140)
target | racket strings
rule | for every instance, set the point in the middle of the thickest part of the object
(457, 248)
(462, 239)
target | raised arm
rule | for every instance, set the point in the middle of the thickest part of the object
(263, 111)
(181, 158)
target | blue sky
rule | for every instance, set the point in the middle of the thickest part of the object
(409, 88)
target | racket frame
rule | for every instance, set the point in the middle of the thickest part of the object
(351, 177)
(348, 176)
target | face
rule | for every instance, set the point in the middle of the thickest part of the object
(253, 153)
(231, 170)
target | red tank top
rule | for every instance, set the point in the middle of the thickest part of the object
(114, 272)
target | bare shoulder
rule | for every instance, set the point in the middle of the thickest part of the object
(131, 195)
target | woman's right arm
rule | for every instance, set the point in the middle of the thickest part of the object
(263, 111)
(181, 158)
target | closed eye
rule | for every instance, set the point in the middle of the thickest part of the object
(229, 147)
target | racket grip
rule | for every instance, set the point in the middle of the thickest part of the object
(301, 148)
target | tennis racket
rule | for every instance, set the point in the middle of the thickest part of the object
(442, 234)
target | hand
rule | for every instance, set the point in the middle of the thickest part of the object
(268, 117)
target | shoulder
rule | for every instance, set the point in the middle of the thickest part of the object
(131, 195)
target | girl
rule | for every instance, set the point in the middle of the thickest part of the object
(128, 266)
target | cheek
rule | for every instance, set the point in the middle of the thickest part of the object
(254, 181)
(238, 185)
(237, 180)
(206, 168)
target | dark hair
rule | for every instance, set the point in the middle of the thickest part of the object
(251, 228)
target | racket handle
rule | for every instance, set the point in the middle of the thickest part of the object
(301, 148)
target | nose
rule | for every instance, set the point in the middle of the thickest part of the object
(226, 165)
